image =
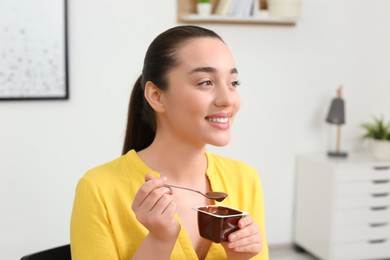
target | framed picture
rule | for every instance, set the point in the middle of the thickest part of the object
(33, 50)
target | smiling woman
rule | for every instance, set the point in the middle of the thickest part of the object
(185, 99)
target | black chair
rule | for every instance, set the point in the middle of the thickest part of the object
(57, 253)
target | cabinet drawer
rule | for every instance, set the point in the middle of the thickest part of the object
(364, 232)
(369, 187)
(361, 217)
(363, 172)
(362, 201)
(364, 250)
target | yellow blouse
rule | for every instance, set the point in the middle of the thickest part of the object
(103, 225)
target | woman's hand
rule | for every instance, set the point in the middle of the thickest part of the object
(246, 242)
(154, 208)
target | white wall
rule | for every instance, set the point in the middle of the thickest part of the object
(289, 76)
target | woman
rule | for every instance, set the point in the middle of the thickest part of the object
(185, 99)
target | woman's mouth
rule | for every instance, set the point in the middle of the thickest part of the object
(221, 120)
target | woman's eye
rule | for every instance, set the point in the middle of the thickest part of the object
(205, 83)
(236, 83)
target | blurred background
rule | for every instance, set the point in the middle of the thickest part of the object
(289, 75)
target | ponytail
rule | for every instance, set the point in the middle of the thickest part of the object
(141, 123)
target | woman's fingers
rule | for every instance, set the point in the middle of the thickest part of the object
(154, 207)
(152, 199)
(149, 186)
(149, 177)
(155, 197)
(247, 238)
(163, 202)
(170, 210)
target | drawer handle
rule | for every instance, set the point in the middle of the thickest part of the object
(379, 208)
(377, 241)
(380, 181)
(378, 224)
(383, 194)
(381, 168)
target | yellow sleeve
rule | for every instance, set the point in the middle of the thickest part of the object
(259, 216)
(90, 232)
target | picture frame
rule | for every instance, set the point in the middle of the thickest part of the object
(34, 50)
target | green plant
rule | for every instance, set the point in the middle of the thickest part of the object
(203, 1)
(377, 130)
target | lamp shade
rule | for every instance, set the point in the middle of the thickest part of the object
(336, 112)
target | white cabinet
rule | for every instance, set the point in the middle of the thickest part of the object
(343, 207)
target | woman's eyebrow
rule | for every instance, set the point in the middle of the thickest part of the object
(204, 69)
(211, 70)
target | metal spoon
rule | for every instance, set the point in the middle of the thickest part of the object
(213, 195)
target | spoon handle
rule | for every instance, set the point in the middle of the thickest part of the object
(184, 188)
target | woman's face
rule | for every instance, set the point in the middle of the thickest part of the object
(201, 100)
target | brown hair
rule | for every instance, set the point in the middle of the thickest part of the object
(159, 59)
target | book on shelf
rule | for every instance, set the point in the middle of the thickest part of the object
(223, 7)
(239, 8)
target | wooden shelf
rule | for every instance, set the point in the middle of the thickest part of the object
(187, 14)
(194, 18)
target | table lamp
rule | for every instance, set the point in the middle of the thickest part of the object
(336, 116)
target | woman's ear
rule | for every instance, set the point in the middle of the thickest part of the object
(154, 96)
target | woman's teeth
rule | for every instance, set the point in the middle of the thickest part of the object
(221, 120)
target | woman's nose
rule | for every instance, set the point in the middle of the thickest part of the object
(225, 96)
